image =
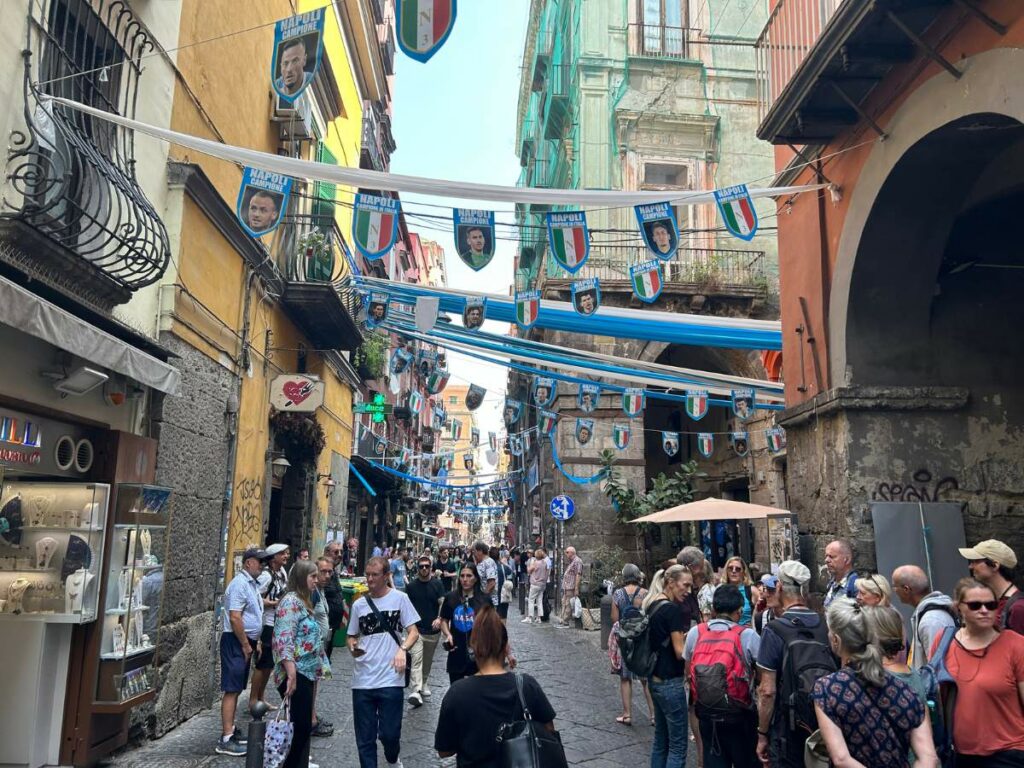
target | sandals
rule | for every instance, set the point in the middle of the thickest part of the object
(624, 720)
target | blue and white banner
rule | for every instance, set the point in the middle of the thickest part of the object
(659, 228)
(740, 443)
(474, 237)
(377, 309)
(513, 410)
(584, 430)
(473, 313)
(544, 390)
(375, 224)
(587, 397)
(262, 200)
(670, 442)
(400, 360)
(743, 403)
(474, 397)
(298, 48)
(586, 296)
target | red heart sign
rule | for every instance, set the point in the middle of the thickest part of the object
(296, 391)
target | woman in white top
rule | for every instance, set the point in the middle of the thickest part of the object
(537, 569)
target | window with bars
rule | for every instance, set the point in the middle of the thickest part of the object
(664, 25)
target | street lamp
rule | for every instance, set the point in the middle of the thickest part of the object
(279, 467)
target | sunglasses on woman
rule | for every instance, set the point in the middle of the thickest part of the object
(977, 605)
(735, 568)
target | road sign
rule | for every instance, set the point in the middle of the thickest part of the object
(377, 407)
(562, 507)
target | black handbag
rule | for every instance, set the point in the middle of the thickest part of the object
(528, 744)
(394, 636)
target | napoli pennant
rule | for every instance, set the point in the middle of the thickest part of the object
(696, 403)
(474, 397)
(633, 401)
(473, 313)
(406, 457)
(743, 403)
(400, 360)
(375, 224)
(776, 439)
(513, 410)
(546, 421)
(440, 417)
(527, 308)
(587, 397)
(515, 445)
(646, 279)
(423, 26)
(437, 380)
(262, 200)
(706, 444)
(543, 391)
(377, 309)
(586, 296)
(474, 237)
(584, 430)
(569, 239)
(467, 461)
(455, 430)
(740, 443)
(620, 436)
(380, 446)
(659, 229)
(474, 436)
(492, 440)
(670, 442)
(298, 47)
(737, 211)
(415, 401)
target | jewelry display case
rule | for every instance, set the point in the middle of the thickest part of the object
(134, 597)
(51, 550)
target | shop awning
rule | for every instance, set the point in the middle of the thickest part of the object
(420, 533)
(25, 311)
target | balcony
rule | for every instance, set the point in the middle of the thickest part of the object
(387, 52)
(75, 216)
(662, 42)
(555, 103)
(371, 153)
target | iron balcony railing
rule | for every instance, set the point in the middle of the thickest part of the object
(660, 41)
(371, 145)
(790, 33)
(309, 249)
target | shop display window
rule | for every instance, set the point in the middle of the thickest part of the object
(51, 550)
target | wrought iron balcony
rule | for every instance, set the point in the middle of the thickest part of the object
(662, 42)
(72, 196)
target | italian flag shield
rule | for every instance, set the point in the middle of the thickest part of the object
(423, 26)
(706, 444)
(737, 211)
(696, 403)
(620, 435)
(527, 308)
(547, 422)
(569, 239)
(633, 402)
(374, 224)
(646, 279)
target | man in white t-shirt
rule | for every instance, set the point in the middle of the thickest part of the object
(487, 569)
(375, 641)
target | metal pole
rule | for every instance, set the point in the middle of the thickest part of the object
(256, 735)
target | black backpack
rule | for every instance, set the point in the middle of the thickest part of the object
(635, 643)
(806, 657)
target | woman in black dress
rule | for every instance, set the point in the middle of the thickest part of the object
(458, 614)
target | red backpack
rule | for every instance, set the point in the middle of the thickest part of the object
(719, 680)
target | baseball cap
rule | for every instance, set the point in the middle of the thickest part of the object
(794, 572)
(991, 549)
(770, 581)
(275, 549)
(259, 554)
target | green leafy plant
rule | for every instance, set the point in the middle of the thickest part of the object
(314, 256)
(300, 437)
(371, 356)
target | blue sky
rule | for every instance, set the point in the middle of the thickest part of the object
(455, 118)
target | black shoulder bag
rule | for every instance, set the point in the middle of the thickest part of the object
(394, 636)
(528, 744)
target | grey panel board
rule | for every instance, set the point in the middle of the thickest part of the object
(900, 540)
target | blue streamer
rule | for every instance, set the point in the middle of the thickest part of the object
(363, 480)
(424, 481)
(572, 478)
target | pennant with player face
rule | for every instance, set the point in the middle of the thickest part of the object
(706, 444)
(515, 445)
(474, 237)
(440, 417)
(743, 403)
(584, 430)
(737, 211)
(659, 229)
(633, 401)
(586, 296)
(546, 422)
(380, 446)
(569, 239)
(526, 441)
(513, 410)
(740, 443)
(298, 48)
(696, 403)
(262, 201)
(400, 360)
(527, 308)
(474, 397)
(492, 440)
(423, 26)
(543, 391)
(474, 436)
(468, 461)
(646, 280)
(437, 380)
(776, 437)
(587, 397)
(620, 436)
(377, 309)
(473, 313)
(670, 442)
(375, 224)
(415, 401)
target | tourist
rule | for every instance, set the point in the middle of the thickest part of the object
(350, 557)
(703, 584)
(446, 569)
(933, 612)
(770, 604)
(475, 708)
(738, 575)
(887, 629)
(864, 714)
(398, 569)
(668, 624)
(458, 612)
(331, 590)
(487, 570)
(299, 658)
(378, 677)
(571, 578)
(321, 610)
(873, 590)
(987, 667)
(991, 562)
(842, 577)
(537, 569)
(273, 585)
(426, 592)
(504, 585)
(626, 603)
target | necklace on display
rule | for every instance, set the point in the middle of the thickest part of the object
(16, 593)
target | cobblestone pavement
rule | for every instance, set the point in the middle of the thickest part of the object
(569, 663)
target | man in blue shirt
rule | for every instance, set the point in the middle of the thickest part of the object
(243, 621)
(397, 568)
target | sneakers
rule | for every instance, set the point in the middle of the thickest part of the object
(425, 692)
(527, 620)
(322, 729)
(399, 764)
(313, 765)
(415, 699)
(229, 746)
(562, 625)
(241, 736)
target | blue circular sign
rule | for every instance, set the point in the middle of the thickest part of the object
(562, 507)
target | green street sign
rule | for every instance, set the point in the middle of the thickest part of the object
(377, 407)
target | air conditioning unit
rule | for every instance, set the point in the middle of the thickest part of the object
(295, 119)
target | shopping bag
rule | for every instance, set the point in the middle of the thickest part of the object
(278, 740)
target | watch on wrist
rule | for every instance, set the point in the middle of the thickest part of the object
(762, 733)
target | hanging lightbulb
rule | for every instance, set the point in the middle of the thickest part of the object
(104, 75)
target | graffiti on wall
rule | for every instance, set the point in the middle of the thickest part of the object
(247, 512)
(921, 488)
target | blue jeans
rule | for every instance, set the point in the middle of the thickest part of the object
(670, 723)
(377, 713)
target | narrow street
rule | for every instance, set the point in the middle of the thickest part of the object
(570, 665)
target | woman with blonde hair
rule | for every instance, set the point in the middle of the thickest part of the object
(873, 589)
(738, 574)
(866, 716)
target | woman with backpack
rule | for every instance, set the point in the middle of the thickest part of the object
(668, 623)
(986, 667)
(867, 717)
(626, 602)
